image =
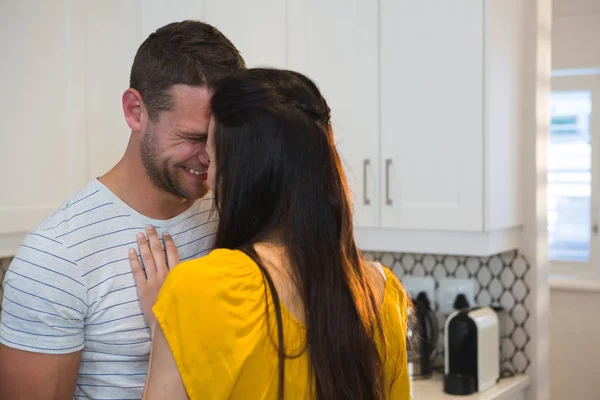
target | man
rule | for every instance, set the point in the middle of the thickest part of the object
(71, 320)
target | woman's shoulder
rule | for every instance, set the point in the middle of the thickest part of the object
(211, 311)
(220, 271)
(219, 263)
(395, 296)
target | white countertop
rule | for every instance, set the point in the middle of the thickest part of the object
(434, 389)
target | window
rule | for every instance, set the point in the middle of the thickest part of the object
(569, 177)
(573, 161)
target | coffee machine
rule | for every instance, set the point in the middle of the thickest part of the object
(472, 356)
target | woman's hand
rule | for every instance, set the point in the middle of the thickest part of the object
(150, 278)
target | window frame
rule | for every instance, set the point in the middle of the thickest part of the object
(562, 81)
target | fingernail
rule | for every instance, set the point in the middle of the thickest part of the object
(149, 227)
(167, 234)
(132, 251)
(140, 235)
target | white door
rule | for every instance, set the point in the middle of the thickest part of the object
(40, 125)
(335, 43)
(432, 114)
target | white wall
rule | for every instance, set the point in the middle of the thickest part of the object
(575, 33)
(538, 46)
(574, 344)
(574, 315)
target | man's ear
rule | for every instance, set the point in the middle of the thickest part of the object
(134, 110)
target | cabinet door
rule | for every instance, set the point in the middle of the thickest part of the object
(257, 28)
(432, 114)
(40, 143)
(335, 43)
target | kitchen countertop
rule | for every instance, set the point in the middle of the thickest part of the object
(434, 389)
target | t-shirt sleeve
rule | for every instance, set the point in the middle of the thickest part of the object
(210, 319)
(44, 299)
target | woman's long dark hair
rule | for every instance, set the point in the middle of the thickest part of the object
(278, 173)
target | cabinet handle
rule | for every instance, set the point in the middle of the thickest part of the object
(388, 162)
(366, 200)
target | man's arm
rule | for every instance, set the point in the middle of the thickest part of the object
(36, 376)
(42, 322)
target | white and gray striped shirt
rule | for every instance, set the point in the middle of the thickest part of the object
(70, 288)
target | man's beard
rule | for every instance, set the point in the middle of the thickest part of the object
(161, 176)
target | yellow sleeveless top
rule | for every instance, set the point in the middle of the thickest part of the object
(213, 313)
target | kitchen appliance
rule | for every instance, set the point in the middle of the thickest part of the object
(472, 356)
(421, 338)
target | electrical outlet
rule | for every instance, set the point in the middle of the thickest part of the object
(450, 288)
(417, 284)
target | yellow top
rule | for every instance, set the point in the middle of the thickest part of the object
(212, 312)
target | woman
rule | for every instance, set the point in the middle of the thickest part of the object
(285, 307)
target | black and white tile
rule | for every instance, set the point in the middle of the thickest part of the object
(500, 280)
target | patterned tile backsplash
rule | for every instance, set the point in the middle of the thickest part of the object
(500, 280)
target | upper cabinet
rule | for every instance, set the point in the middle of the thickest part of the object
(335, 43)
(450, 81)
(425, 98)
(40, 115)
(257, 28)
(67, 66)
(432, 113)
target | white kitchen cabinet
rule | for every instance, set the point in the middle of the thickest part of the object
(257, 28)
(40, 114)
(432, 114)
(425, 100)
(450, 74)
(335, 43)
(67, 66)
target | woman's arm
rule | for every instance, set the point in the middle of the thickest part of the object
(163, 381)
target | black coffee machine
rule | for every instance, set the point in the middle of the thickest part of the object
(472, 356)
(422, 337)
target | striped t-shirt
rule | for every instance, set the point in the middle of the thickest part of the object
(70, 288)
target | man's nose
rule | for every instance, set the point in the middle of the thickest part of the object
(203, 156)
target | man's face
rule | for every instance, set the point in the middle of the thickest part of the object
(173, 148)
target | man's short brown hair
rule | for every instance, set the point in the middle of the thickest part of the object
(188, 52)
